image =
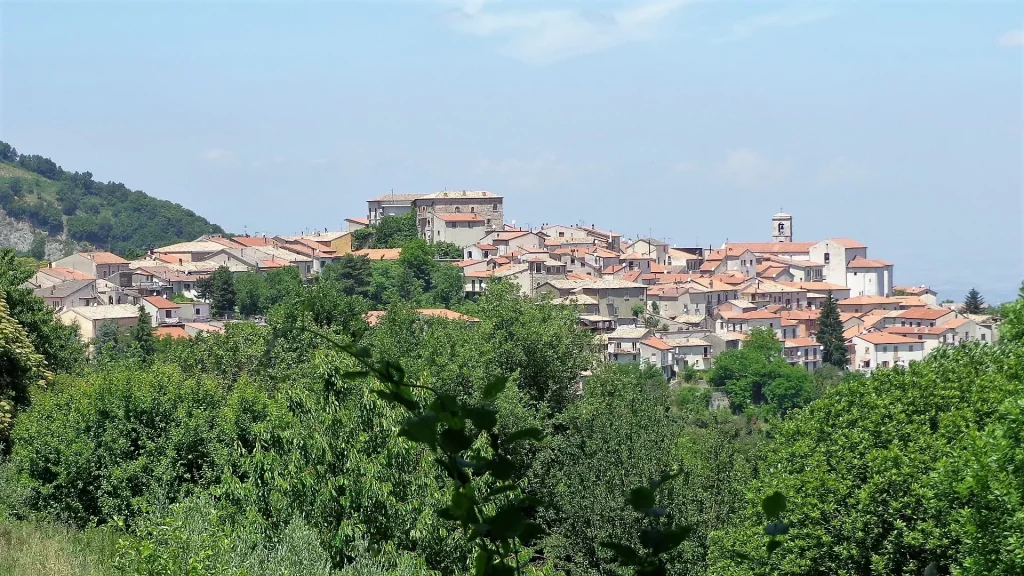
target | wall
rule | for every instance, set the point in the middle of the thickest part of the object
(463, 234)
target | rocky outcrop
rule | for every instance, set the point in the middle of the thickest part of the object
(19, 235)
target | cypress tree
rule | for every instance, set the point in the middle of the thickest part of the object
(830, 334)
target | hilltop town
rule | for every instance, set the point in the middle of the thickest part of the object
(673, 307)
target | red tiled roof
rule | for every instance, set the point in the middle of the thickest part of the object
(796, 342)
(363, 221)
(252, 241)
(868, 300)
(65, 273)
(859, 262)
(656, 343)
(466, 263)
(486, 247)
(274, 263)
(631, 276)
(104, 257)
(885, 338)
(161, 303)
(380, 253)
(919, 313)
(847, 242)
(176, 332)
(773, 247)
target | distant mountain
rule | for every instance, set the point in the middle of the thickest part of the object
(71, 207)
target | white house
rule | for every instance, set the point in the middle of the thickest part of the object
(873, 350)
(657, 352)
(694, 352)
(194, 311)
(70, 294)
(95, 264)
(803, 351)
(161, 310)
(624, 344)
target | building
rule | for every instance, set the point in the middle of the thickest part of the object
(46, 277)
(802, 351)
(656, 352)
(189, 251)
(926, 294)
(689, 351)
(90, 318)
(476, 210)
(615, 298)
(834, 254)
(94, 264)
(624, 344)
(194, 312)
(782, 227)
(655, 249)
(161, 310)
(867, 277)
(872, 350)
(389, 205)
(378, 254)
(70, 294)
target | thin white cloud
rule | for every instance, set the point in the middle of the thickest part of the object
(217, 155)
(544, 36)
(1012, 39)
(746, 168)
(788, 18)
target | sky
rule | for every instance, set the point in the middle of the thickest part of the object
(898, 124)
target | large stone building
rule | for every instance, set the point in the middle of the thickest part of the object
(389, 205)
(440, 216)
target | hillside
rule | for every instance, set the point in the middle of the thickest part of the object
(71, 206)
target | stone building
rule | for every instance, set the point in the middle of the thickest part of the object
(437, 210)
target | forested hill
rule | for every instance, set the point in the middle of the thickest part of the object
(108, 215)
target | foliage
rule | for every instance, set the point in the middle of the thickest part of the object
(446, 251)
(830, 335)
(41, 549)
(394, 231)
(891, 473)
(352, 273)
(128, 438)
(58, 343)
(21, 369)
(757, 374)
(107, 215)
(974, 303)
(219, 290)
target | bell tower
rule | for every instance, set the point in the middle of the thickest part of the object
(782, 227)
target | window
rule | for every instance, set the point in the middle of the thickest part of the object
(458, 209)
(472, 209)
(494, 206)
(309, 268)
(982, 336)
(167, 313)
(885, 348)
(826, 257)
(488, 221)
(188, 286)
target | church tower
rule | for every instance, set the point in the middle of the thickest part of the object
(782, 227)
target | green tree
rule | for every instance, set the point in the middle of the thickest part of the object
(141, 337)
(448, 285)
(418, 259)
(219, 290)
(38, 249)
(251, 294)
(974, 303)
(395, 231)
(830, 335)
(352, 273)
(637, 310)
(446, 251)
(21, 369)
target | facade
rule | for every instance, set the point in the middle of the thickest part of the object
(161, 310)
(689, 351)
(624, 344)
(90, 318)
(389, 205)
(615, 298)
(194, 312)
(657, 352)
(95, 264)
(655, 249)
(834, 254)
(70, 294)
(803, 351)
(872, 350)
(483, 209)
(782, 227)
(867, 277)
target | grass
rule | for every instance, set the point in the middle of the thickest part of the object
(32, 549)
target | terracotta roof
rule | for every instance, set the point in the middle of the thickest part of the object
(925, 313)
(956, 322)
(631, 276)
(636, 256)
(363, 221)
(575, 276)
(65, 273)
(913, 290)
(774, 247)
(816, 286)
(927, 330)
(859, 262)
(103, 257)
(657, 268)
(847, 242)
(445, 313)
(656, 343)
(613, 269)
(886, 338)
(161, 303)
(460, 217)
(465, 263)
(801, 314)
(273, 263)
(176, 332)
(506, 236)
(380, 253)
(758, 315)
(868, 300)
(605, 253)
(189, 247)
(225, 242)
(486, 247)
(852, 331)
(252, 241)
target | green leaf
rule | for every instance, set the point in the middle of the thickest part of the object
(360, 352)
(533, 433)
(507, 522)
(455, 441)
(641, 499)
(626, 555)
(483, 417)
(483, 558)
(664, 479)
(499, 490)
(502, 468)
(495, 387)
(421, 429)
(773, 505)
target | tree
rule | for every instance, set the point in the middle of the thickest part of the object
(655, 309)
(251, 294)
(446, 251)
(141, 337)
(219, 290)
(8, 153)
(38, 249)
(449, 285)
(395, 231)
(352, 273)
(830, 334)
(21, 368)
(637, 310)
(1011, 329)
(973, 302)
(418, 259)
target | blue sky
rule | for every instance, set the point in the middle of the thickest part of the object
(898, 124)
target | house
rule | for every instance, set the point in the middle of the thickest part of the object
(730, 258)
(196, 328)
(689, 351)
(589, 234)
(745, 321)
(863, 304)
(634, 261)
(462, 217)
(514, 241)
(271, 257)
(374, 316)
(806, 320)
(70, 294)
(353, 224)
(172, 332)
(872, 350)
(90, 318)
(678, 259)
(194, 311)
(340, 242)
(802, 351)
(624, 344)
(765, 292)
(919, 317)
(867, 277)
(389, 205)
(926, 294)
(319, 255)
(161, 310)
(655, 249)
(189, 251)
(616, 298)
(481, 251)
(818, 292)
(94, 264)
(800, 270)
(657, 352)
